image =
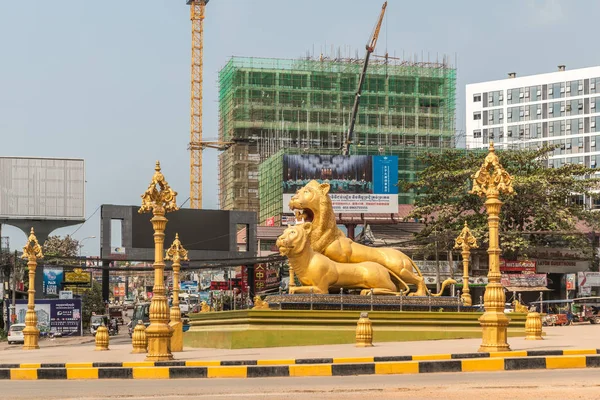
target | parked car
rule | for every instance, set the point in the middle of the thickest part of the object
(15, 334)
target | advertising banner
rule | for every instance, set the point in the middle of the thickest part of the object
(54, 315)
(430, 267)
(191, 286)
(588, 279)
(570, 281)
(53, 278)
(524, 266)
(358, 184)
(266, 277)
(524, 280)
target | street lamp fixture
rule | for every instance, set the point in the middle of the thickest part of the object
(32, 252)
(159, 201)
(490, 181)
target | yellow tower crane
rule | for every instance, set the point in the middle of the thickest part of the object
(196, 144)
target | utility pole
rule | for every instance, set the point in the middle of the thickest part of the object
(13, 307)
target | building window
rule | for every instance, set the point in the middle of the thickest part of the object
(476, 98)
(477, 134)
(476, 116)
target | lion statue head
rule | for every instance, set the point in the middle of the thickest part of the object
(293, 239)
(308, 200)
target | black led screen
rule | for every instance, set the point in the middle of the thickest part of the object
(198, 229)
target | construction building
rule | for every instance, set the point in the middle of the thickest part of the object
(269, 107)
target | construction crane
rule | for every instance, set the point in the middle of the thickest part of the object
(370, 48)
(197, 145)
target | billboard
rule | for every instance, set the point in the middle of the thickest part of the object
(523, 266)
(191, 286)
(62, 316)
(524, 280)
(588, 279)
(42, 188)
(53, 279)
(358, 184)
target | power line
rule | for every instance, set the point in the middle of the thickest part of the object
(86, 220)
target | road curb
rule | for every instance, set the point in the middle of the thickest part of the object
(304, 361)
(475, 364)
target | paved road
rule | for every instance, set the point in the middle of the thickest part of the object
(548, 384)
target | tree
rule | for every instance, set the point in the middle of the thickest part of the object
(92, 303)
(55, 246)
(542, 212)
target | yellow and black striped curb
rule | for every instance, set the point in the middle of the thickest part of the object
(304, 361)
(260, 371)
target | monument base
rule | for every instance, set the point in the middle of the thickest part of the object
(280, 328)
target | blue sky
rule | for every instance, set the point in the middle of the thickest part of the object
(108, 81)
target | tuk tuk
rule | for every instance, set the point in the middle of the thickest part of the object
(96, 321)
(557, 312)
(587, 309)
(116, 312)
(141, 312)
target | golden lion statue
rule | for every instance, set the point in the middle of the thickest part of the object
(205, 307)
(260, 304)
(520, 308)
(312, 204)
(318, 273)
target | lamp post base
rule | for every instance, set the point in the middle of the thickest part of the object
(30, 340)
(159, 342)
(177, 337)
(494, 333)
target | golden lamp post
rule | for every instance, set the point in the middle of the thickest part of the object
(466, 241)
(32, 251)
(490, 181)
(159, 201)
(176, 253)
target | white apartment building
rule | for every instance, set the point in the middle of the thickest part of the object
(560, 107)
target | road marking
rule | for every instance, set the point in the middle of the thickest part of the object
(562, 362)
(151, 373)
(310, 370)
(276, 362)
(227, 372)
(353, 360)
(82, 373)
(483, 364)
(23, 374)
(432, 357)
(406, 367)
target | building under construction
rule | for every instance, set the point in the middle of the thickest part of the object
(303, 106)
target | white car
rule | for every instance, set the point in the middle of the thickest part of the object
(15, 334)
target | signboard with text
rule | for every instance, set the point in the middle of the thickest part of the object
(523, 266)
(53, 279)
(524, 280)
(54, 315)
(357, 184)
(588, 279)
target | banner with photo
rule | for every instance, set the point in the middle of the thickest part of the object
(53, 280)
(358, 184)
(54, 315)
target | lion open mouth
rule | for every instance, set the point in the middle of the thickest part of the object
(304, 215)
